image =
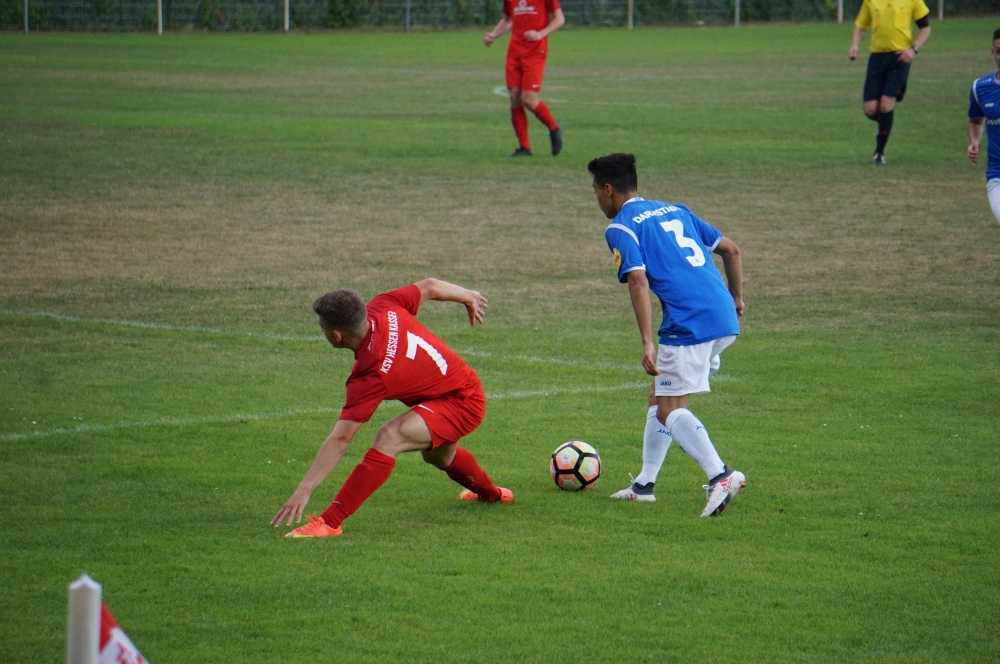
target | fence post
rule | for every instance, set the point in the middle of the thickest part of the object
(407, 17)
(631, 24)
(159, 17)
(737, 13)
(84, 629)
(840, 11)
(940, 9)
(25, 16)
(287, 15)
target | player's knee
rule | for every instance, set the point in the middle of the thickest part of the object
(389, 439)
(886, 105)
(871, 110)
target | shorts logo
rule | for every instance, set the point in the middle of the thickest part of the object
(665, 383)
(618, 259)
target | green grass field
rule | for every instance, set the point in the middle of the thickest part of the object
(208, 187)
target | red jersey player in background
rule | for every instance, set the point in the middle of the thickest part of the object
(530, 23)
(395, 357)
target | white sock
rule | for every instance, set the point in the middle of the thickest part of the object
(655, 443)
(691, 435)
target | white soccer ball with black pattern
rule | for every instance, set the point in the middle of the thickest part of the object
(575, 466)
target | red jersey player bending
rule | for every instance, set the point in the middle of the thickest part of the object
(395, 357)
(530, 23)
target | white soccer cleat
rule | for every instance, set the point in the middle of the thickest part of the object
(643, 494)
(721, 491)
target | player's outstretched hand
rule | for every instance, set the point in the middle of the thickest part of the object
(292, 509)
(974, 152)
(649, 360)
(488, 39)
(853, 53)
(476, 305)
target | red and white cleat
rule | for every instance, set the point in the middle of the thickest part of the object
(722, 490)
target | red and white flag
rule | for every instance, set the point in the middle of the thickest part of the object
(116, 647)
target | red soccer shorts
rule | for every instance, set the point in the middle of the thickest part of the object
(525, 72)
(453, 416)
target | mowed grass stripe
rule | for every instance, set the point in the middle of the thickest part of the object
(240, 417)
(290, 337)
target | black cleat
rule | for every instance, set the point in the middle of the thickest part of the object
(521, 152)
(878, 159)
(556, 138)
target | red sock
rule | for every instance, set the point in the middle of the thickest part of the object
(542, 113)
(466, 471)
(520, 120)
(363, 481)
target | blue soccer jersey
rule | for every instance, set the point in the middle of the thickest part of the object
(674, 247)
(984, 102)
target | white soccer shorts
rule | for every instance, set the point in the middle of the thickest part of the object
(993, 191)
(684, 369)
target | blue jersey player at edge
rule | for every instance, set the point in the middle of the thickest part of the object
(666, 248)
(984, 109)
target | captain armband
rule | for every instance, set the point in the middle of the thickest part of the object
(924, 22)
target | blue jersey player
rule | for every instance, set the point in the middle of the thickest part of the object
(984, 109)
(667, 249)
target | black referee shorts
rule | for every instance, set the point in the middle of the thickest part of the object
(886, 76)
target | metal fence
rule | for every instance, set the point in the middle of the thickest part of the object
(403, 14)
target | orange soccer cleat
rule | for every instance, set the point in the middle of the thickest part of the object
(506, 495)
(315, 528)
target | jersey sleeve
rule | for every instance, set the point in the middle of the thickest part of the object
(975, 110)
(364, 394)
(624, 246)
(707, 233)
(864, 19)
(551, 6)
(920, 10)
(407, 297)
(506, 9)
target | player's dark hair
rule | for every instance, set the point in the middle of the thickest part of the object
(996, 34)
(342, 310)
(617, 169)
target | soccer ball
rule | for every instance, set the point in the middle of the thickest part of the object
(575, 466)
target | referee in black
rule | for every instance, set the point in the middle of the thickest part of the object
(893, 49)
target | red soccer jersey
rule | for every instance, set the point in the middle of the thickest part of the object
(528, 15)
(400, 359)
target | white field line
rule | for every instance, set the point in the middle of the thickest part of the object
(177, 421)
(290, 337)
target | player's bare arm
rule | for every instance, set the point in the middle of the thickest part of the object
(442, 291)
(923, 34)
(976, 126)
(329, 455)
(557, 21)
(638, 292)
(856, 38)
(501, 28)
(732, 263)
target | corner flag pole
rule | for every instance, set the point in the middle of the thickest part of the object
(737, 13)
(84, 630)
(940, 10)
(159, 17)
(407, 16)
(25, 16)
(630, 23)
(840, 11)
(286, 15)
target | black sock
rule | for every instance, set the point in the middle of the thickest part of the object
(884, 127)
